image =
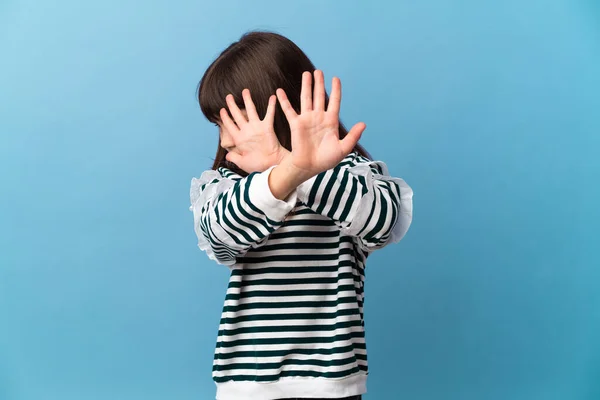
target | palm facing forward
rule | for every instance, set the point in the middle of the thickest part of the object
(316, 144)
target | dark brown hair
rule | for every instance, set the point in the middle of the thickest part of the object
(261, 62)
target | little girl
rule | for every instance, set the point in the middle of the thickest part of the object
(293, 205)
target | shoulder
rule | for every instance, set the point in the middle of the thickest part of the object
(357, 163)
(212, 182)
(211, 175)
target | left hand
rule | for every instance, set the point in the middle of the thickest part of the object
(316, 145)
(256, 144)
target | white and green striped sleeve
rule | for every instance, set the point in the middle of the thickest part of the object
(361, 198)
(233, 215)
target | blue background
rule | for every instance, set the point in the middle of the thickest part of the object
(489, 110)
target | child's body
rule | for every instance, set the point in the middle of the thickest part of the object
(292, 325)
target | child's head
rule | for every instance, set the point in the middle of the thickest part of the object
(261, 62)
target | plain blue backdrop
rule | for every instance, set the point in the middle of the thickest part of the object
(489, 110)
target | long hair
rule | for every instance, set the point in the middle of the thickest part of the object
(261, 62)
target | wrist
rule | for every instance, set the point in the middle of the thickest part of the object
(293, 174)
(285, 178)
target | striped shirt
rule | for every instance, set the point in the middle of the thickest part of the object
(292, 324)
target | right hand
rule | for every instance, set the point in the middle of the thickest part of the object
(256, 145)
(315, 133)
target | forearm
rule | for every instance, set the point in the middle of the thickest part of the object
(231, 216)
(285, 178)
(361, 198)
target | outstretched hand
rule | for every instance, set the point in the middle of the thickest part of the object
(257, 146)
(316, 145)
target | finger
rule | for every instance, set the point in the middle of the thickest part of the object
(319, 92)
(306, 92)
(352, 137)
(235, 111)
(270, 114)
(286, 106)
(227, 121)
(249, 104)
(336, 97)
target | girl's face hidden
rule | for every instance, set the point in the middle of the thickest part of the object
(226, 137)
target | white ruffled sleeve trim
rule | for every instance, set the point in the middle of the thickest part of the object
(406, 211)
(198, 198)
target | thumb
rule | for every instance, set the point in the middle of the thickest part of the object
(234, 158)
(352, 137)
